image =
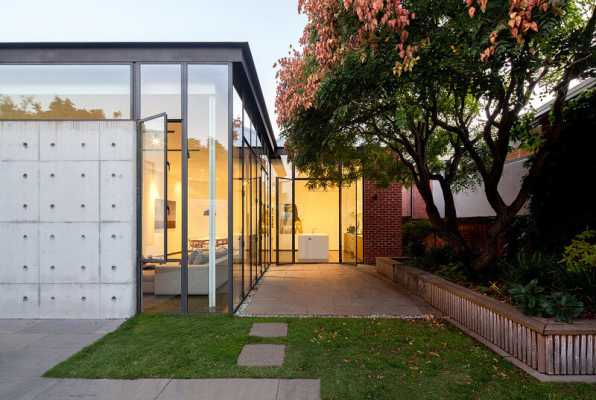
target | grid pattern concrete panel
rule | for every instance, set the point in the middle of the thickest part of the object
(67, 219)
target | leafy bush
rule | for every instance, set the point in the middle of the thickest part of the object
(563, 306)
(414, 232)
(526, 266)
(529, 298)
(580, 255)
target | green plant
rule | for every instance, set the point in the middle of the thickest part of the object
(526, 266)
(414, 232)
(564, 307)
(529, 298)
(580, 255)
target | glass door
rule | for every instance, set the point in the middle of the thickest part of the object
(160, 274)
(284, 220)
(154, 159)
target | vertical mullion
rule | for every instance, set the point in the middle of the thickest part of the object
(339, 237)
(165, 188)
(293, 214)
(230, 190)
(356, 222)
(243, 199)
(277, 219)
(184, 172)
(136, 89)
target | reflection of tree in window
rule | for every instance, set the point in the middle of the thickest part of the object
(59, 108)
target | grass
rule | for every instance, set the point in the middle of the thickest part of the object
(354, 358)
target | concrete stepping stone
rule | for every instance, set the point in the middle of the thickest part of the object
(269, 330)
(262, 355)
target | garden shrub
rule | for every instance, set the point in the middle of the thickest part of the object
(413, 233)
(532, 300)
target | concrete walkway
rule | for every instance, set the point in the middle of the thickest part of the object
(330, 290)
(28, 348)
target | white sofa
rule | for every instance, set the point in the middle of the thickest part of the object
(167, 279)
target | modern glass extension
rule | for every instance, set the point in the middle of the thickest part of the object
(217, 202)
(204, 145)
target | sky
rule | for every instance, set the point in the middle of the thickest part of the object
(270, 26)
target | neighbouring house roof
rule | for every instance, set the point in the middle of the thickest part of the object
(571, 93)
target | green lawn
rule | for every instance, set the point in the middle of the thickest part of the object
(354, 358)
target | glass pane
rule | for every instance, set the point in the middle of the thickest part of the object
(237, 199)
(247, 196)
(65, 92)
(284, 189)
(317, 223)
(359, 221)
(153, 134)
(351, 229)
(255, 216)
(207, 187)
(161, 280)
(161, 90)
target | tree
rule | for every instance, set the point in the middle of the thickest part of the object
(429, 90)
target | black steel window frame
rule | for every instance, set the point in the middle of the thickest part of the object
(232, 54)
(340, 211)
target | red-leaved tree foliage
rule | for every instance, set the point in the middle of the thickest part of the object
(439, 87)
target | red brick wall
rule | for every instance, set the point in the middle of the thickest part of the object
(412, 203)
(382, 215)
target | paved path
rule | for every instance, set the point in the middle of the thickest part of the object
(330, 290)
(28, 348)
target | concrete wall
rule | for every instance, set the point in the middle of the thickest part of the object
(67, 219)
(473, 203)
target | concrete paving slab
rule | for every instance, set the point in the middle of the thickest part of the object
(15, 325)
(24, 388)
(65, 326)
(103, 389)
(31, 363)
(220, 389)
(65, 341)
(110, 325)
(269, 329)
(262, 355)
(18, 341)
(328, 290)
(299, 389)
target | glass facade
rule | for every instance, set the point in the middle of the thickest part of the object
(314, 223)
(201, 248)
(68, 92)
(216, 207)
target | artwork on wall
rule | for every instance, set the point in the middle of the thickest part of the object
(285, 225)
(171, 217)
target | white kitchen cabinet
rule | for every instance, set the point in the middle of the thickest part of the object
(313, 247)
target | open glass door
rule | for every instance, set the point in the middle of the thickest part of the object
(157, 215)
(154, 151)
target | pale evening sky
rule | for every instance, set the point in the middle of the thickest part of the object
(269, 26)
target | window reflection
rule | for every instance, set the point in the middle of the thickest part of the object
(161, 90)
(65, 92)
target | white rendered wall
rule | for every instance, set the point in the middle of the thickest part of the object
(67, 219)
(473, 203)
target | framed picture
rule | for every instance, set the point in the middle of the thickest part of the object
(171, 217)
